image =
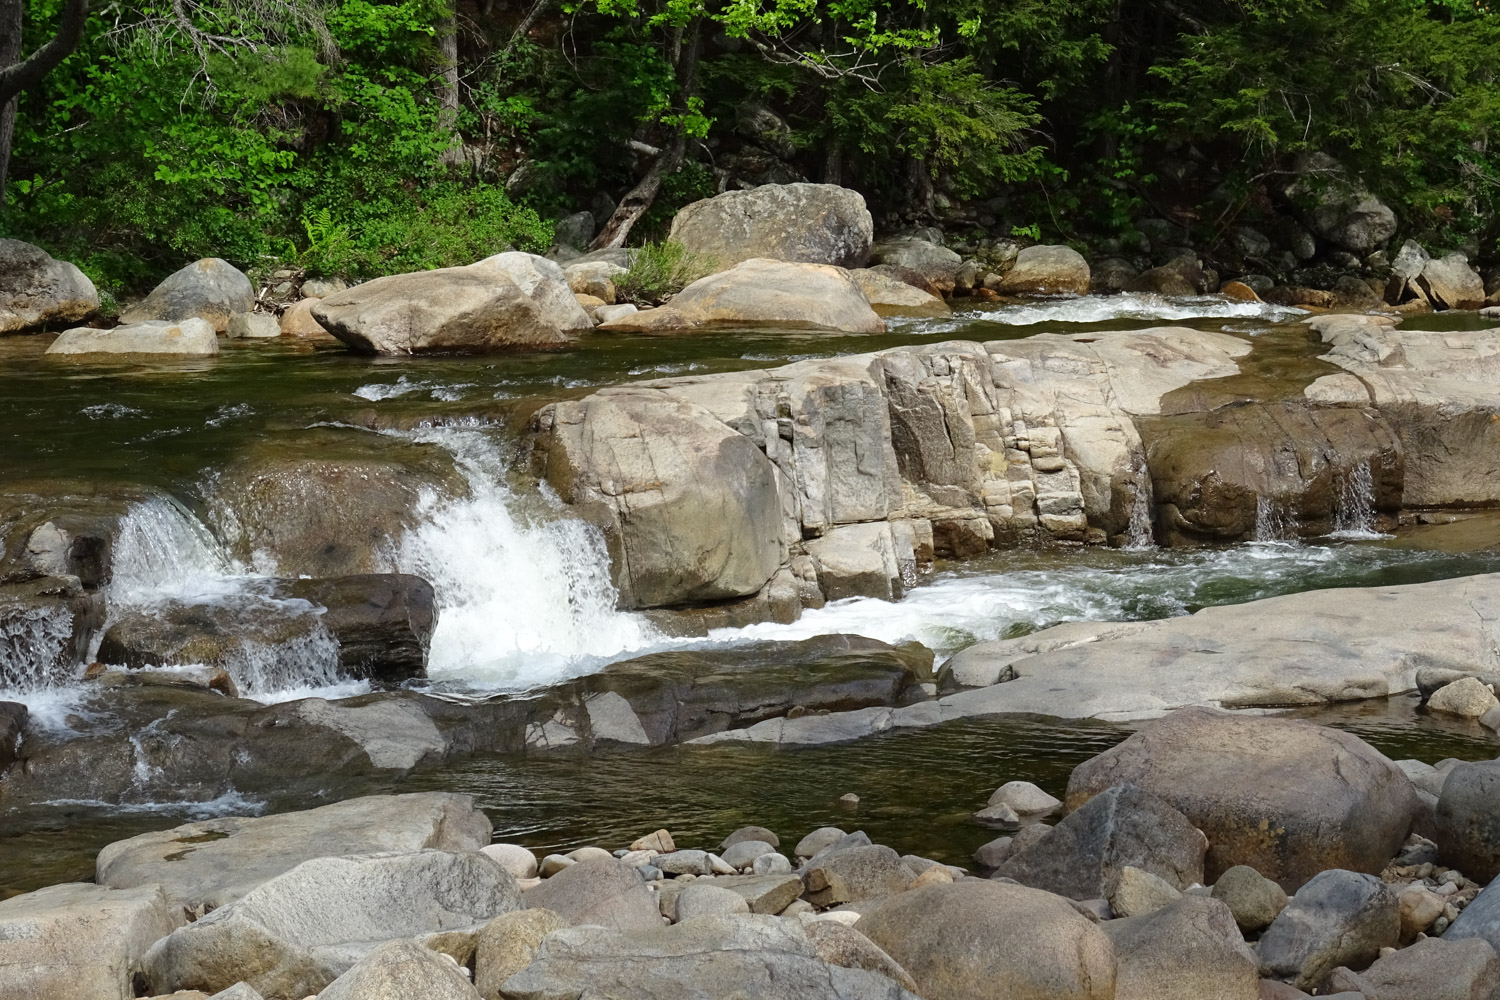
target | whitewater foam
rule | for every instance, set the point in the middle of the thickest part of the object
(1105, 309)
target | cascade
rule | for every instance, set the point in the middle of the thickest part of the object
(1138, 534)
(1273, 521)
(1354, 503)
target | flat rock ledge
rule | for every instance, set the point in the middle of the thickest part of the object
(1315, 648)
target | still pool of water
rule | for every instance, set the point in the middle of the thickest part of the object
(918, 789)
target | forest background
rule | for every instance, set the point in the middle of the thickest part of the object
(363, 137)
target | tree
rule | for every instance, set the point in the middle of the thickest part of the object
(18, 75)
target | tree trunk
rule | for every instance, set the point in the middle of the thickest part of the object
(447, 86)
(638, 201)
(17, 74)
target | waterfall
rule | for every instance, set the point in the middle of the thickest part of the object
(164, 551)
(1273, 521)
(35, 649)
(1354, 503)
(524, 593)
(1138, 534)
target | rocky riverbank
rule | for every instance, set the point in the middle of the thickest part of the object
(1215, 854)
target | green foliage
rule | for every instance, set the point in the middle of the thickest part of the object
(661, 270)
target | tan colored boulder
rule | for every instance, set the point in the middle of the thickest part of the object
(507, 945)
(464, 309)
(1468, 698)
(1239, 291)
(188, 337)
(79, 941)
(1266, 791)
(603, 892)
(762, 292)
(1450, 283)
(975, 940)
(545, 283)
(1188, 950)
(1046, 270)
(298, 321)
(890, 296)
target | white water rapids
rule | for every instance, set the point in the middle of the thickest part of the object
(525, 598)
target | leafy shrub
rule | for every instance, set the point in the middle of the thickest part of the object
(661, 270)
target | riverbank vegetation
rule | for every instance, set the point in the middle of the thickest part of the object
(361, 137)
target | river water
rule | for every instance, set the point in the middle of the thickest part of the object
(524, 593)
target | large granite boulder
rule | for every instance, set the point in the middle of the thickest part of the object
(762, 292)
(79, 941)
(1337, 918)
(210, 863)
(326, 502)
(210, 289)
(37, 290)
(937, 265)
(709, 958)
(1468, 820)
(188, 336)
(1450, 283)
(1047, 270)
(547, 285)
(298, 932)
(1336, 206)
(475, 309)
(1266, 791)
(973, 940)
(1190, 950)
(803, 223)
(1480, 919)
(689, 507)
(1084, 855)
(890, 296)
(602, 892)
(1430, 969)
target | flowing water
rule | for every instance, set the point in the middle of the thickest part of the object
(524, 592)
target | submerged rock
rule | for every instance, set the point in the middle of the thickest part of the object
(38, 291)
(188, 336)
(210, 289)
(802, 223)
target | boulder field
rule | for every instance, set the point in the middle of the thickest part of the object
(1158, 882)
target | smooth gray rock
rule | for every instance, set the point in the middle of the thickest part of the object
(1227, 774)
(37, 290)
(186, 337)
(744, 833)
(842, 945)
(743, 853)
(856, 874)
(1480, 919)
(819, 839)
(604, 892)
(1189, 950)
(1026, 799)
(769, 893)
(546, 285)
(1337, 918)
(684, 863)
(772, 864)
(210, 289)
(1430, 969)
(1337, 206)
(1467, 820)
(935, 263)
(300, 931)
(239, 991)
(402, 970)
(208, 864)
(977, 940)
(856, 839)
(805, 223)
(1139, 893)
(1122, 826)
(710, 958)
(78, 941)
(253, 325)
(704, 899)
(1254, 899)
